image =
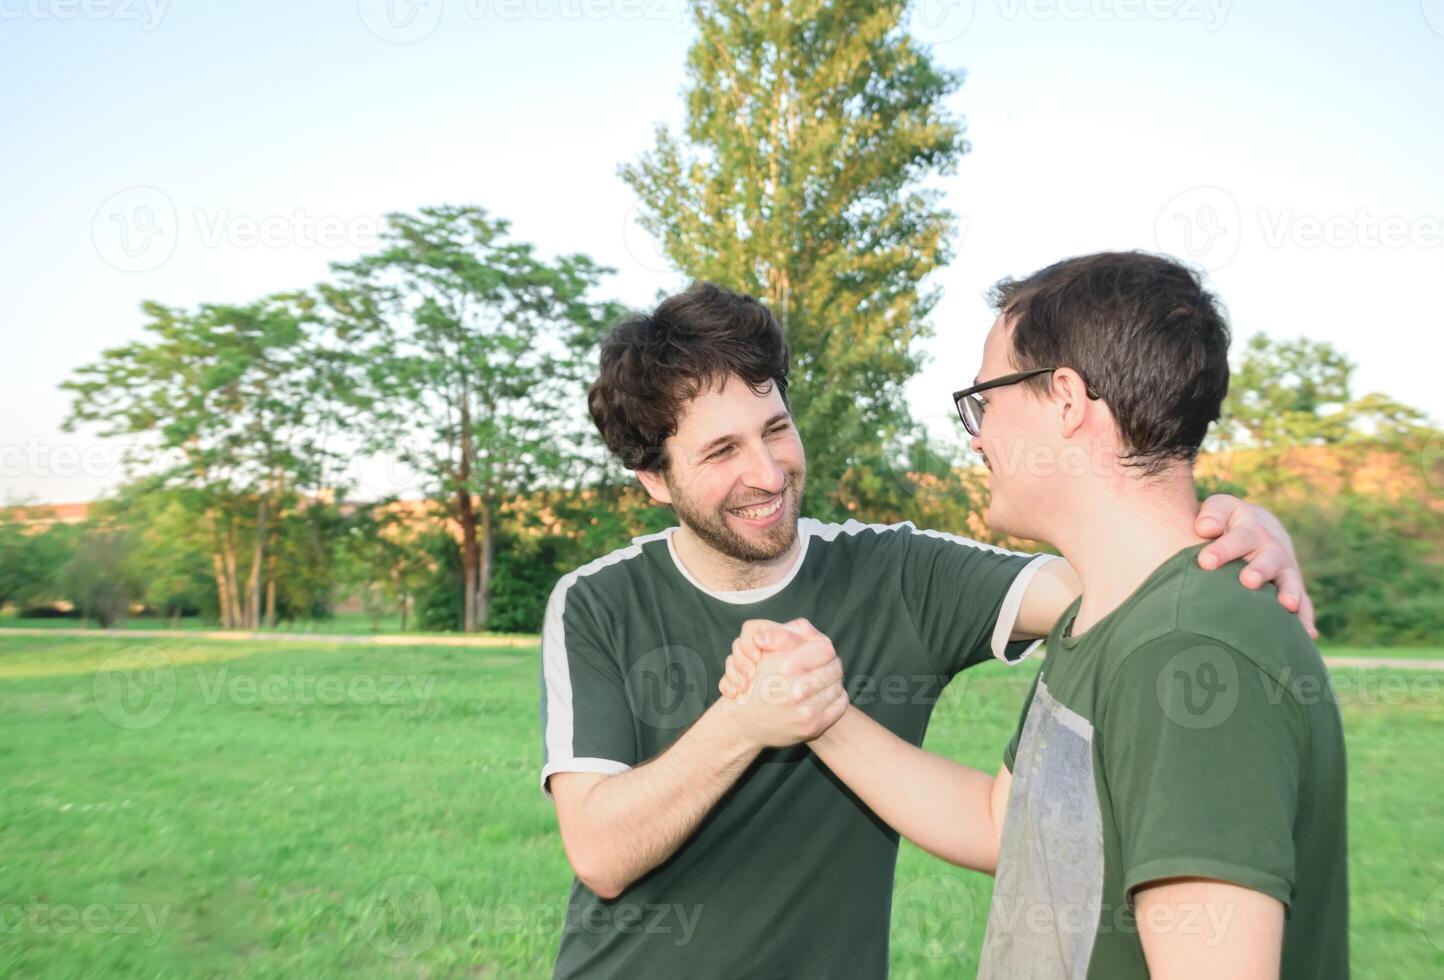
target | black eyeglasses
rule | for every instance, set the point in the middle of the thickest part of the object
(970, 406)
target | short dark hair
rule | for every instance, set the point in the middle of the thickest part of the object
(1144, 334)
(652, 363)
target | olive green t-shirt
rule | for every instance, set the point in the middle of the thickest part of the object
(789, 875)
(1191, 732)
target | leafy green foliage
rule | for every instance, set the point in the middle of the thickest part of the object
(1349, 477)
(32, 560)
(801, 176)
(475, 352)
(231, 404)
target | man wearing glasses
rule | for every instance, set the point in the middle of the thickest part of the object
(1173, 802)
(708, 841)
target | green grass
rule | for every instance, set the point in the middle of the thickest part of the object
(306, 809)
(1410, 653)
(356, 623)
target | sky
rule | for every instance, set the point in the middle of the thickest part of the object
(190, 152)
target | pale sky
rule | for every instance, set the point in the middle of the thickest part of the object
(185, 152)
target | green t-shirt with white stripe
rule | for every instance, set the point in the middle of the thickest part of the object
(789, 875)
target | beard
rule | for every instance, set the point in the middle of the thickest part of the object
(713, 528)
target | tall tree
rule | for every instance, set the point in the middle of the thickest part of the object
(474, 347)
(812, 128)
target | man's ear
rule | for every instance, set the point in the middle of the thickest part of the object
(1070, 394)
(656, 485)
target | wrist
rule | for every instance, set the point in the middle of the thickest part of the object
(831, 740)
(726, 729)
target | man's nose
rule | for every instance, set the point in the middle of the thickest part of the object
(764, 473)
(976, 442)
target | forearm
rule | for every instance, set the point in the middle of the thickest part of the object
(630, 823)
(943, 807)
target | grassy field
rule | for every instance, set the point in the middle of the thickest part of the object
(181, 808)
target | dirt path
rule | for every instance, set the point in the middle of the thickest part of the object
(371, 639)
(512, 642)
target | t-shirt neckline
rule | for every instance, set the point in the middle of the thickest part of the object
(1065, 631)
(740, 597)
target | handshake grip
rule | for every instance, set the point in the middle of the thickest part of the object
(784, 682)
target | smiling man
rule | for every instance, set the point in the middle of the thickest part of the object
(669, 797)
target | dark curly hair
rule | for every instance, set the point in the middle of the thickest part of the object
(652, 364)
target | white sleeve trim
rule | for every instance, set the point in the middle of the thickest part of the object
(556, 665)
(604, 767)
(1012, 604)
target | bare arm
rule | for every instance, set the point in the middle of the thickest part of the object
(1050, 592)
(617, 828)
(1198, 929)
(944, 807)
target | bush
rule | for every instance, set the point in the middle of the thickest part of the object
(1372, 569)
(96, 579)
(522, 581)
(48, 612)
(438, 600)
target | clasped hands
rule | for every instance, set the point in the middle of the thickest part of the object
(791, 695)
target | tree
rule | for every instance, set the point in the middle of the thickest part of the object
(474, 347)
(33, 559)
(232, 403)
(1288, 396)
(1343, 473)
(386, 560)
(811, 130)
(167, 550)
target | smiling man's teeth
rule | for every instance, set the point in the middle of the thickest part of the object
(757, 513)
